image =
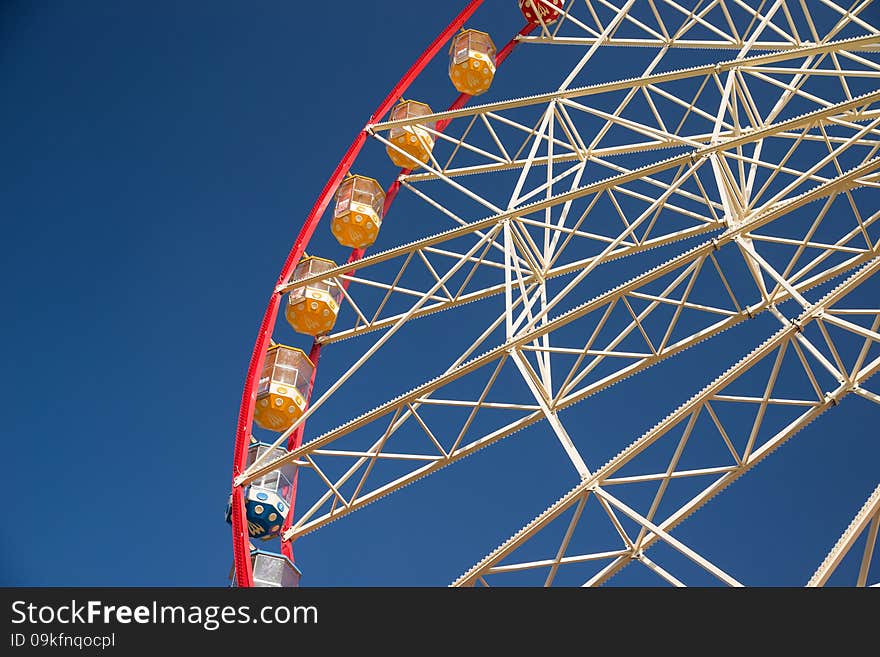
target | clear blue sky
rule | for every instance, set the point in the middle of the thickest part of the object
(156, 162)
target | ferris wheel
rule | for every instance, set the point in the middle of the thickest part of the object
(685, 181)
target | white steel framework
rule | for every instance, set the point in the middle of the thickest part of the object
(739, 190)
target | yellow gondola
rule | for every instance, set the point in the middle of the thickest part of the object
(312, 308)
(358, 214)
(283, 388)
(472, 62)
(415, 140)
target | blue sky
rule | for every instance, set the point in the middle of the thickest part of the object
(157, 161)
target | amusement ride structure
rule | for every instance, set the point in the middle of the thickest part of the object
(680, 173)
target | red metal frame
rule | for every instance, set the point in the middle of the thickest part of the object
(240, 538)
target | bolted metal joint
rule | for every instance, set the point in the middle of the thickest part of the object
(833, 398)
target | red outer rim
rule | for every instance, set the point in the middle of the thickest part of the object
(240, 538)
